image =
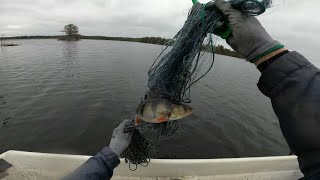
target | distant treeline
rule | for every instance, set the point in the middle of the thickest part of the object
(150, 40)
(219, 49)
(32, 37)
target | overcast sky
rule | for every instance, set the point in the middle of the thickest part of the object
(295, 23)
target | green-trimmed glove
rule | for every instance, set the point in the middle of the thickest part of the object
(120, 140)
(248, 36)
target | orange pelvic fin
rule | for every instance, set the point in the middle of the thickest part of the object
(137, 120)
(161, 119)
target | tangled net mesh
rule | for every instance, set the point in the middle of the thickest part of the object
(183, 62)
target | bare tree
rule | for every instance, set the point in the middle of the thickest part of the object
(71, 32)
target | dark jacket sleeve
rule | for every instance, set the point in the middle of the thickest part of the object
(293, 85)
(98, 167)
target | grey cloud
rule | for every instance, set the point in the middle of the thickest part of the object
(295, 23)
(292, 22)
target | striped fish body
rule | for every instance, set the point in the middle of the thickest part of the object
(160, 110)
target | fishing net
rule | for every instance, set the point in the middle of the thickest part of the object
(183, 62)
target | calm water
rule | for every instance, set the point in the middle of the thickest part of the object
(67, 97)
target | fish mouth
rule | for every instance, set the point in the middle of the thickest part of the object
(188, 114)
(181, 112)
(188, 109)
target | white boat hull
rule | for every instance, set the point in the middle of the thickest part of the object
(30, 165)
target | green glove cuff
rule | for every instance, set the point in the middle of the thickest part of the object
(277, 47)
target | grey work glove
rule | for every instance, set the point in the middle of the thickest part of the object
(120, 140)
(248, 37)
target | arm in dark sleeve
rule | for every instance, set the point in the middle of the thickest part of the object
(293, 85)
(97, 167)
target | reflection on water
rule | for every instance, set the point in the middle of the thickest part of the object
(67, 97)
(70, 50)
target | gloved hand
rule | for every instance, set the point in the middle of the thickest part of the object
(120, 140)
(248, 37)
